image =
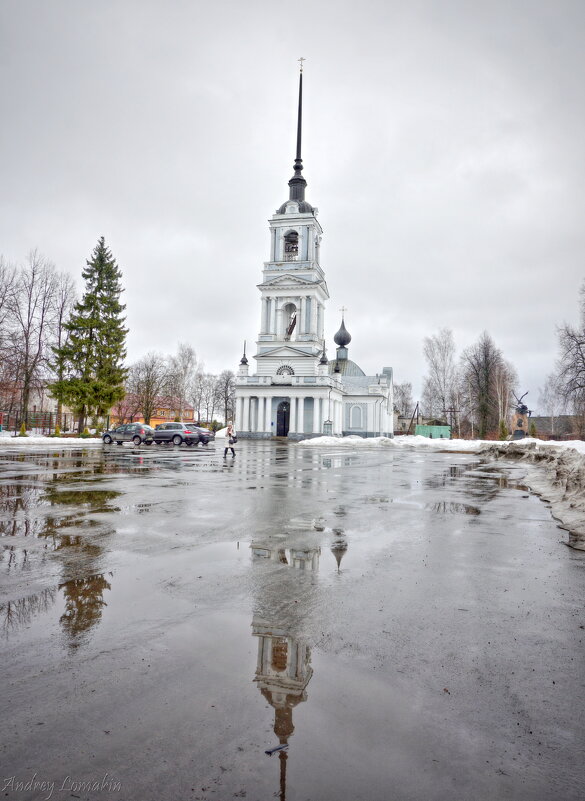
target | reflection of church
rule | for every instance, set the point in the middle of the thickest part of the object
(283, 669)
(296, 391)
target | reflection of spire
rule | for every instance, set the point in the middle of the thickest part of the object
(339, 547)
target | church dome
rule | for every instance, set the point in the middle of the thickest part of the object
(342, 337)
(345, 367)
(303, 207)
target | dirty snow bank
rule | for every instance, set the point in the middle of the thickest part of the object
(556, 473)
(556, 470)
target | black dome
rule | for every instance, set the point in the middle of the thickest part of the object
(342, 337)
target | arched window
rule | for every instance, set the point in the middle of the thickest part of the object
(291, 246)
(285, 369)
(356, 417)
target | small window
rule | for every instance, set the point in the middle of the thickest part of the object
(285, 369)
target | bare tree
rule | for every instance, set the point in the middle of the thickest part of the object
(209, 396)
(7, 384)
(403, 398)
(505, 382)
(225, 387)
(32, 312)
(126, 409)
(571, 373)
(196, 392)
(148, 379)
(482, 366)
(441, 380)
(182, 373)
(64, 300)
(551, 400)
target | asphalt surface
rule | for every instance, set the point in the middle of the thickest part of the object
(403, 626)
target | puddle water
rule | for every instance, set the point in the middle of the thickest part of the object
(300, 625)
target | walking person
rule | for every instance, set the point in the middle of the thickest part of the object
(231, 439)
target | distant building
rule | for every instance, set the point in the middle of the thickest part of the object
(128, 410)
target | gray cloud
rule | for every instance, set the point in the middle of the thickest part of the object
(442, 145)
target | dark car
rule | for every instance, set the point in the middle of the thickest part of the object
(205, 435)
(137, 433)
(176, 433)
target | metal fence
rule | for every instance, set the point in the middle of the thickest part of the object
(37, 422)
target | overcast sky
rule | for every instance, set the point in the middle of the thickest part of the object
(443, 144)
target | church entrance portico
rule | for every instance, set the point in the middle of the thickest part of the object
(282, 419)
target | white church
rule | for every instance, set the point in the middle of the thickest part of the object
(296, 392)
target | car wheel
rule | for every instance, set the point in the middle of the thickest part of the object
(136, 440)
(118, 442)
(177, 439)
(107, 440)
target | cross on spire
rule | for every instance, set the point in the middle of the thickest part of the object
(343, 310)
(301, 59)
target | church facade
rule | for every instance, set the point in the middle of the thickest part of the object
(296, 392)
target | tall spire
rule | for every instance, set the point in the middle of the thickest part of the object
(297, 183)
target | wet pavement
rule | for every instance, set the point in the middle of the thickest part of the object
(403, 626)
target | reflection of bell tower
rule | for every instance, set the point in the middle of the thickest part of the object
(283, 668)
(283, 671)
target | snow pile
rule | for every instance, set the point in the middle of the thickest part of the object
(399, 443)
(556, 473)
(7, 439)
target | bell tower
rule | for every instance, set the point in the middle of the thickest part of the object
(293, 290)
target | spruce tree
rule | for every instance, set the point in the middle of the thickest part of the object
(90, 363)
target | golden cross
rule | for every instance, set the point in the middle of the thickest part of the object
(301, 59)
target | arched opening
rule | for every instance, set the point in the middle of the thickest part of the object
(289, 319)
(285, 369)
(282, 419)
(356, 417)
(291, 246)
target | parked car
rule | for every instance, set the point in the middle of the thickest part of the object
(176, 433)
(205, 435)
(137, 433)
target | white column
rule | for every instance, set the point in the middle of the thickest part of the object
(246, 415)
(301, 316)
(314, 316)
(273, 315)
(268, 415)
(292, 423)
(239, 414)
(265, 320)
(317, 415)
(301, 428)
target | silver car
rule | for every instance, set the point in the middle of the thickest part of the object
(137, 433)
(176, 433)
